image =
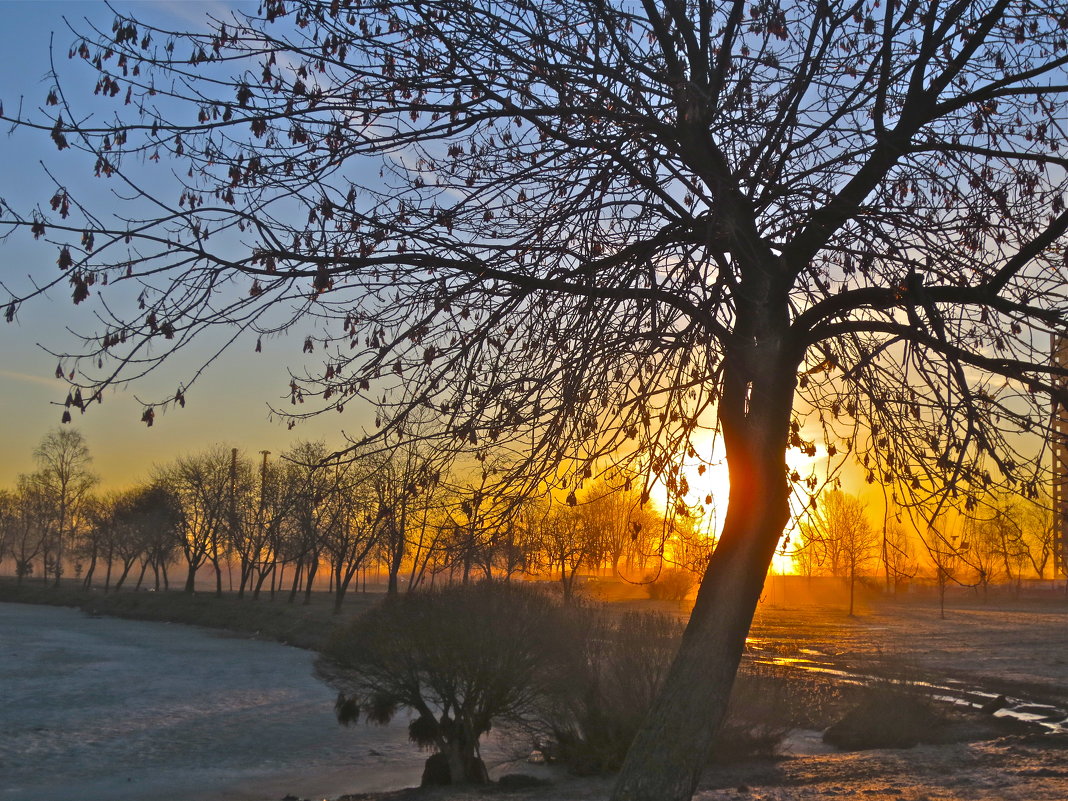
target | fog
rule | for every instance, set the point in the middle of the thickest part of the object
(101, 709)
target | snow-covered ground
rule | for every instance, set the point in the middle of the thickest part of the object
(101, 709)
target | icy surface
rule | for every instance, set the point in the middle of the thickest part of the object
(101, 709)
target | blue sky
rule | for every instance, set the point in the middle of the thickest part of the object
(229, 406)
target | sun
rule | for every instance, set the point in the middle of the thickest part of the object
(707, 488)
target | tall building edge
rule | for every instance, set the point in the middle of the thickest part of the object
(1059, 449)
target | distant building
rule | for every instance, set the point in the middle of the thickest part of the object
(1059, 347)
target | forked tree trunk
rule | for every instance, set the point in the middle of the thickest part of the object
(672, 748)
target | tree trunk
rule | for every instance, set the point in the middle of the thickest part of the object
(88, 583)
(668, 754)
(141, 576)
(313, 568)
(191, 579)
(342, 579)
(125, 572)
(298, 571)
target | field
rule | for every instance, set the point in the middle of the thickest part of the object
(1017, 648)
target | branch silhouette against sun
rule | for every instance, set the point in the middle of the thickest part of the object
(581, 231)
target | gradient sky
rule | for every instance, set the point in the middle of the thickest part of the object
(228, 406)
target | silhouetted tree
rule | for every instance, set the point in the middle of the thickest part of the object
(200, 484)
(30, 526)
(63, 476)
(354, 521)
(149, 519)
(570, 544)
(7, 521)
(405, 480)
(946, 552)
(312, 487)
(463, 658)
(589, 228)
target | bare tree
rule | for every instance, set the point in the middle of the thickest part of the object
(980, 550)
(1039, 534)
(587, 229)
(148, 521)
(612, 507)
(7, 521)
(201, 485)
(273, 513)
(838, 531)
(64, 477)
(1004, 529)
(354, 521)
(405, 481)
(570, 543)
(946, 552)
(312, 488)
(899, 560)
(30, 526)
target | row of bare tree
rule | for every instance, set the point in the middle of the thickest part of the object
(279, 524)
(1004, 541)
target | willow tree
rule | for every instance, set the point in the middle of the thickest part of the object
(588, 230)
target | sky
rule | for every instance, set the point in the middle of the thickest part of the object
(230, 406)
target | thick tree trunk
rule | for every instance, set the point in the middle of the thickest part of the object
(672, 748)
(667, 756)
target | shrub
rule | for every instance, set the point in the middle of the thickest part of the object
(610, 686)
(885, 718)
(463, 658)
(766, 703)
(671, 584)
(623, 667)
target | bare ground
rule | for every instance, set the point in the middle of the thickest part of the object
(1011, 647)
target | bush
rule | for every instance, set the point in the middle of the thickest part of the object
(766, 703)
(889, 715)
(463, 658)
(610, 687)
(670, 585)
(625, 664)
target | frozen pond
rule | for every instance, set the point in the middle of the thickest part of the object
(102, 709)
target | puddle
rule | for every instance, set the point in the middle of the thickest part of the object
(805, 742)
(1053, 719)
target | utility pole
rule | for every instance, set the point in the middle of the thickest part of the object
(261, 521)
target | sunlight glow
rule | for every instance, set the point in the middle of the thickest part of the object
(707, 482)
